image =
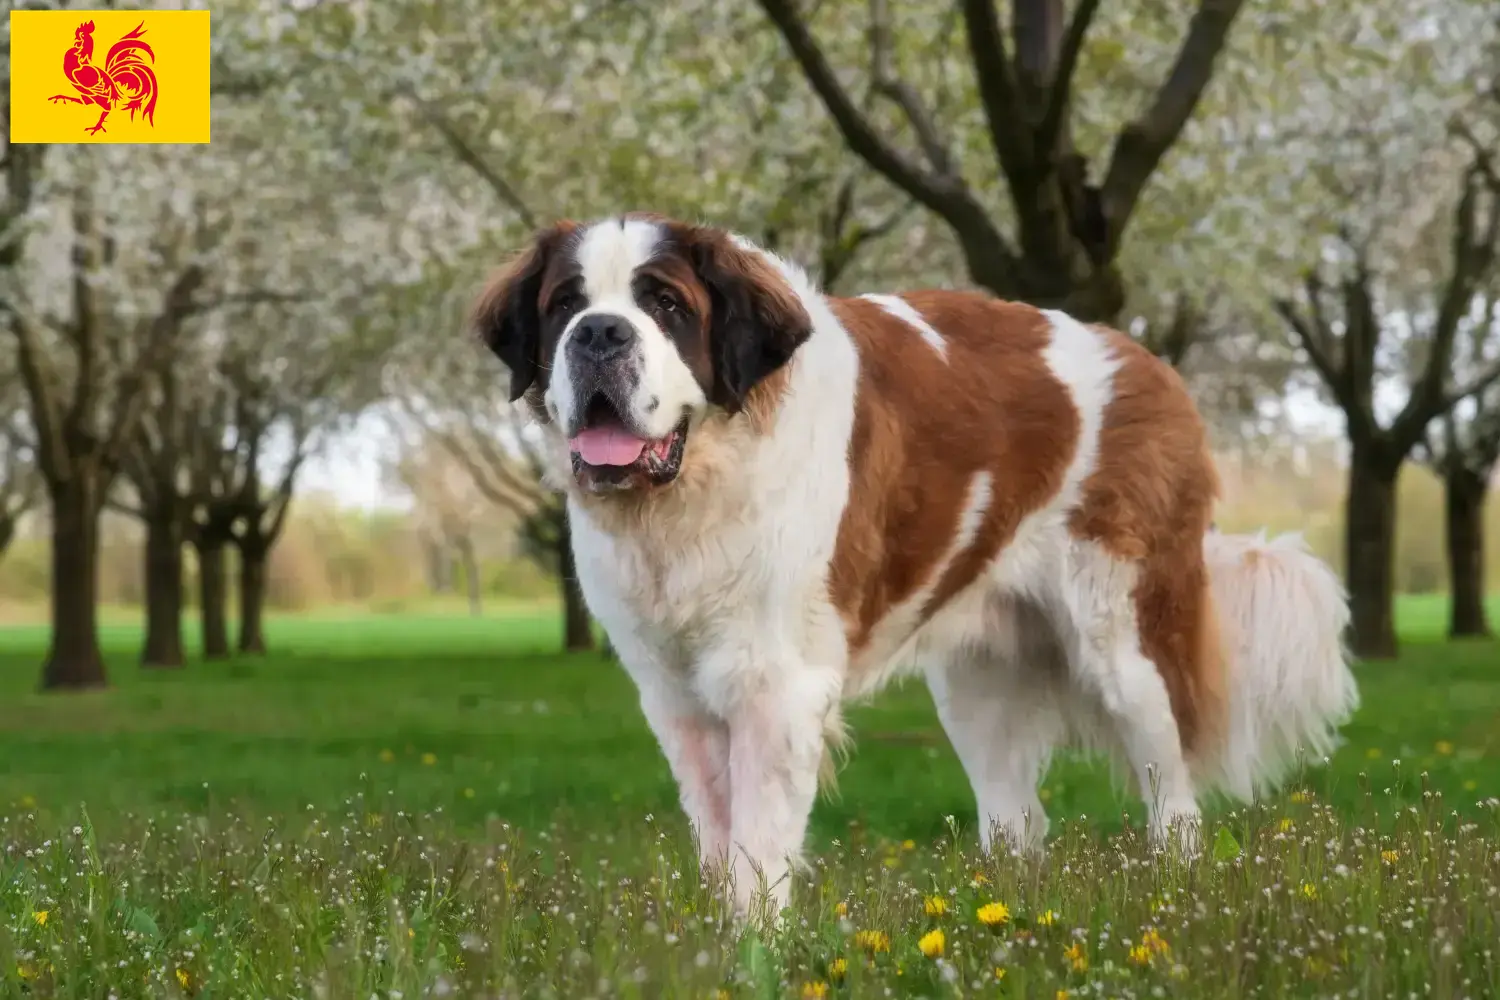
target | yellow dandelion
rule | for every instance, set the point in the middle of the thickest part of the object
(410, 933)
(1139, 955)
(26, 970)
(841, 910)
(1153, 941)
(980, 878)
(908, 845)
(468, 793)
(373, 819)
(721, 995)
(27, 802)
(386, 756)
(1046, 918)
(1374, 753)
(1061, 995)
(935, 906)
(1390, 856)
(873, 941)
(931, 944)
(184, 979)
(1076, 957)
(1045, 794)
(815, 990)
(1300, 796)
(1470, 785)
(1443, 747)
(837, 969)
(40, 917)
(1284, 825)
(1309, 890)
(891, 861)
(429, 759)
(999, 972)
(993, 915)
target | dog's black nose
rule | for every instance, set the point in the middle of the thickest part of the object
(602, 336)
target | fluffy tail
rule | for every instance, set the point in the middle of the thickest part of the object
(1283, 614)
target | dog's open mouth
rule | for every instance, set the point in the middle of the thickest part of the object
(608, 455)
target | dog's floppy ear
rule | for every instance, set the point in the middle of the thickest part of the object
(757, 321)
(508, 316)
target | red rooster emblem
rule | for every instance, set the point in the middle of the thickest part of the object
(125, 75)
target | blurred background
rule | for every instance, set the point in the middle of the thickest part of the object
(262, 499)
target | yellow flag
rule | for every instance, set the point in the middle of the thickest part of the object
(109, 76)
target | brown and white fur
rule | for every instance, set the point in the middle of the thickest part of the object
(833, 491)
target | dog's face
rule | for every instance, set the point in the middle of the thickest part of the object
(625, 333)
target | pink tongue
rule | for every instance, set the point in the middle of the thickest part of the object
(607, 446)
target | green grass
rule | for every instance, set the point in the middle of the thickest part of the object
(338, 813)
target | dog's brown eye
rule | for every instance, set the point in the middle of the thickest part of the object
(666, 303)
(565, 303)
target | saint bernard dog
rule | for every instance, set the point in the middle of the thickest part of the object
(780, 500)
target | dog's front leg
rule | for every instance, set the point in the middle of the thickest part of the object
(775, 747)
(696, 745)
(693, 740)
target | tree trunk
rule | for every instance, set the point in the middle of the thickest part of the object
(578, 635)
(1369, 554)
(163, 555)
(471, 574)
(213, 597)
(252, 597)
(7, 532)
(1465, 497)
(439, 568)
(73, 658)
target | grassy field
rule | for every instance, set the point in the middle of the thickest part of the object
(440, 806)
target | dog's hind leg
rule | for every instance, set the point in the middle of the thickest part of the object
(997, 704)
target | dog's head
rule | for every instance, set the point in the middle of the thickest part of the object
(625, 334)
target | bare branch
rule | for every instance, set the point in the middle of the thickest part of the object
(41, 386)
(1473, 386)
(1473, 252)
(1050, 130)
(997, 88)
(1314, 337)
(476, 162)
(886, 83)
(1145, 141)
(498, 484)
(158, 338)
(1483, 160)
(85, 326)
(944, 195)
(1181, 332)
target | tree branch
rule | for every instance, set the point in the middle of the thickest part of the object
(1312, 337)
(1473, 386)
(282, 499)
(85, 325)
(1050, 130)
(159, 336)
(997, 89)
(886, 83)
(499, 485)
(944, 195)
(41, 387)
(1145, 140)
(1473, 258)
(476, 162)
